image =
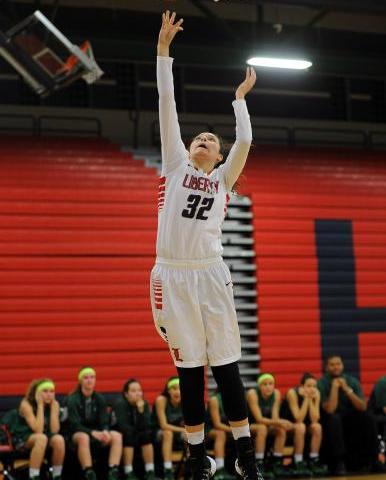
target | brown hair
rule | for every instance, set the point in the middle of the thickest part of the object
(30, 395)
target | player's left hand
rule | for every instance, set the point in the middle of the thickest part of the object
(247, 85)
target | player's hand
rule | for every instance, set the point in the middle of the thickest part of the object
(247, 85)
(336, 383)
(286, 424)
(106, 437)
(169, 30)
(343, 384)
(140, 405)
(39, 398)
(97, 435)
(302, 392)
(315, 395)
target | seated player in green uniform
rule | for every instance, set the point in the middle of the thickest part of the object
(219, 431)
(169, 423)
(132, 415)
(377, 405)
(36, 427)
(302, 406)
(264, 406)
(88, 421)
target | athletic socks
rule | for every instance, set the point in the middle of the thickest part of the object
(239, 432)
(34, 473)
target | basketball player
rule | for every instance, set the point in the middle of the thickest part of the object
(191, 287)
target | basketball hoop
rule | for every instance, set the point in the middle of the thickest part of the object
(45, 58)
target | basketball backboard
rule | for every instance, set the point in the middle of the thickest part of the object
(44, 57)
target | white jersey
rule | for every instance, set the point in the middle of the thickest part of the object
(191, 203)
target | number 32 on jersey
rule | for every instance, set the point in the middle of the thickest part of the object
(197, 207)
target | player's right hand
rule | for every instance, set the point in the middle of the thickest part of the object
(169, 29)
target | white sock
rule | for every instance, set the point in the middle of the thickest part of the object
(219, 463)
(314, 455)
(34, 472)
(196, 438)
(239, 432)
(298, 457)
(259, 455)
(128, 468)
(149, 467)
(277, 454)
(57, 470)
(167, 465)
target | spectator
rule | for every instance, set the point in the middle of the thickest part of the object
(88, 420)
(132, 414)
(168, 419)
(377, 405)
(350, 436)
(36, 427)
(302, 406)
(264, 405)
(219, 432)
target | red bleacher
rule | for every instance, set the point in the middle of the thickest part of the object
(290, 189)
(78, 223)
(77, 243)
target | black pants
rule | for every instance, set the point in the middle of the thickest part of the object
(136, 438)
(349, 437)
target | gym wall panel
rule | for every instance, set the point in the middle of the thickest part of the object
(319, 221)
(78, 222)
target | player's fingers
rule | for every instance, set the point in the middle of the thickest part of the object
(173, 17)
(167, 15)
(178, 25)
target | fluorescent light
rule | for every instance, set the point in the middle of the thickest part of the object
(279, 63)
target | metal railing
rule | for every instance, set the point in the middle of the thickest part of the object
(15, 123)
(284, 135)
(38, 125)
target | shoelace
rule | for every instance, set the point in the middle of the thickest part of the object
(251, 472)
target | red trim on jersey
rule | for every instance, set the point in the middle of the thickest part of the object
(157, 291)
(161, 193)
(227, 198)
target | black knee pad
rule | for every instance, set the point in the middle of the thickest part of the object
(192, 385)
(232, 391)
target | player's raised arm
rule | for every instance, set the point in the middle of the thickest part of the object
(239, 152)
(173, 149)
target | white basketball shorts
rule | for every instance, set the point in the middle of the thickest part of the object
(194, 311)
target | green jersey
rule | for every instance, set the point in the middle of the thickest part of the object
(19, 428)
(377, 401)
(87, 413)
(344, 403)
(128, 417)
(173, 415)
